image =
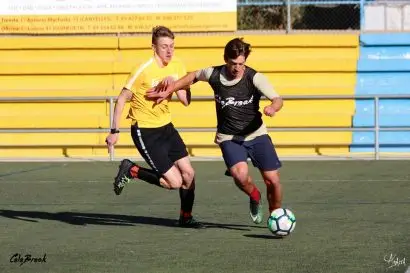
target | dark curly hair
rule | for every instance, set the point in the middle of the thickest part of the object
(235, 48)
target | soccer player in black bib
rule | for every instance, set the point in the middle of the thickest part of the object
(241, 133)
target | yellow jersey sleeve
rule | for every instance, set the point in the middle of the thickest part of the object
(135, 79)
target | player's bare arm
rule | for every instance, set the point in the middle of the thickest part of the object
(123, 97)
(265, 88)
(161, 91)
(275, 106)
(184, 96)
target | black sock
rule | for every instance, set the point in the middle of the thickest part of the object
(149, 176)
(187, 201)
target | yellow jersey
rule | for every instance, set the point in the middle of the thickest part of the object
(146, 112)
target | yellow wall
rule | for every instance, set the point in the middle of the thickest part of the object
(97, 66)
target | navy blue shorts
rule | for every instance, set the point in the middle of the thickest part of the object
(260, 150)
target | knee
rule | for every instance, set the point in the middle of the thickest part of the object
(272, 180)
(240, 174)
(188, 176)
(174, 183)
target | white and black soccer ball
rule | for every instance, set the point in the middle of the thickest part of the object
(281, 222)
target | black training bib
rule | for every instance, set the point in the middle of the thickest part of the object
(237, 106)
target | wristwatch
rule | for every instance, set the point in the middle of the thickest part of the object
(114, 131)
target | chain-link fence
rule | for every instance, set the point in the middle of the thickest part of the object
(297, 15)
(262, 15)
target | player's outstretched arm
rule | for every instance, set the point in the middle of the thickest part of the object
(161, 91)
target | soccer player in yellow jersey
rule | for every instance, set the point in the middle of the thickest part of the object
(152, 131)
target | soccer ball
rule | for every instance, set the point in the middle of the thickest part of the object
(281, 222)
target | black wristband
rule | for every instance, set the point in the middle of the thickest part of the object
(114, 131)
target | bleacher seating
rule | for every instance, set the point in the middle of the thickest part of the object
(383, 68)
(98, 66)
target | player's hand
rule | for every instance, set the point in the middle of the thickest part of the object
(111, 140)
(157, 96)
(160, 92)
(163, 85)
(269, 111)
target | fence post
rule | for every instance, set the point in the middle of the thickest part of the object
(376, 128)
(362, 2)
(111, 114)
(288, 17)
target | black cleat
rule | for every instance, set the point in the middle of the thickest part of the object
(123, 177)
(228, 173)
(255, 211)
(190, 223)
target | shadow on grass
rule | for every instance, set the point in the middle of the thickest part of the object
(263, 236)
(40, 168)
(78, 218)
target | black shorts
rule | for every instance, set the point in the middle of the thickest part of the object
(260, 150)
(160, 147)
